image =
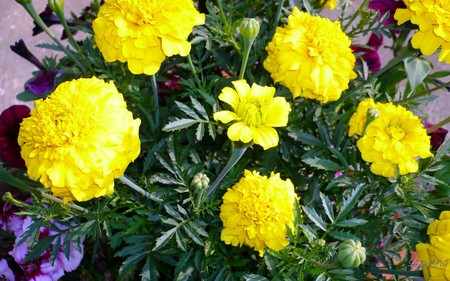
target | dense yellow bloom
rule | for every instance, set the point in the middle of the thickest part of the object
(311, 56)
(255, 112)
(358, 120)
(440, 226)
(256, 211)
(79, 139)
(394, 139)
(144, 32)
(331, 4)
(432, 17)
(435, 258)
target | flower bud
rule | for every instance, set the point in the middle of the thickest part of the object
(200, 181)
(23, 2)
(351, 253)
(372, 114)
(57, 6)
(249, 28)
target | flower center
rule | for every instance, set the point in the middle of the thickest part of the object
(250, 111)
(396, 132)
(256, 208)
(140, 12)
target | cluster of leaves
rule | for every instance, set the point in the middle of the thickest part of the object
(174, 234)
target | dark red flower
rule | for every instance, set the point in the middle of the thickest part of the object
(437, 136)
(370, 53)
(384, 6)
(10, 120)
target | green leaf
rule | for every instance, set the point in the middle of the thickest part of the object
(149, 271)
(193, 235)
(131, 262)
(187, 110)
(416, 70)
(36, 250)
(314, 217)
(172, 212)
(200, 132)
(200, 108)
(254, 277)
(198, 229)
(340, 235)
(351, 222)
(28, 95)
(306, 138)
(323, 164)
(164, 239)
(179, 124)
(310, 233)
(327, 206)
(180, 240)
(350, 202)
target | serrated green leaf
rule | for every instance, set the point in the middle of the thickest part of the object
(314, 217)
(340, 235)
(198, 229)
(310, 233)
(254, 277)
(164, 179)
(351, 222)
(131, 262)
(200, 108)
(164, 239)
(323, 164)
(211, 131)
(306, 138)
(37, 249)
(327, 206)
(193, 235)
(179, 124)
(186, 109)
(173, 213)
(149, 271)
(180, 240)
(350, 202)
(200, 132)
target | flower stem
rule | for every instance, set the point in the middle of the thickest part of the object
(155, 95)
(137, 188)
(247, 47)
(194, 72)
(438, 125)
(427, 92)
(238, 151)
(32, 12)
(278, 15)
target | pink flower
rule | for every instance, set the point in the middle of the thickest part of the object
(370, 53)
(437, 136)
(5, 272)
(384, 6)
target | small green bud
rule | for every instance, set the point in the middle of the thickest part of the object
(57, 6)
(23, 2)
(372, 114)
(351, 253)
(200, 181)
(249, 28)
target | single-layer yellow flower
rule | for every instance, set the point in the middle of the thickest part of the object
(394, 140)
(311, 56)
(79, 139)
(435, 258)
(256, 211)
(358, 120)
(255, 112)
(143, 32)
(432, 17)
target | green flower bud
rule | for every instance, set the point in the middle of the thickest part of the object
(351, 253)
(23, 2)
(249, 28)
(57, 6)
(200, 181)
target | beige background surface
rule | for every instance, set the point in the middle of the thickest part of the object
(15, 24)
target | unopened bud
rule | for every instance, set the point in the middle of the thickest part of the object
(372, 114)
(351, 253)
(200, 181)
(57, 6)
(249, 28)
(23, 2)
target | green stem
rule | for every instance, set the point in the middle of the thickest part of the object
(393, 272)
(32, 12)
(238, 151)
(427, 92)
(137, 188)
(227, 26)
(278, 15)
(155, 95)
(247, 48)
(194, 71)
(438, 125)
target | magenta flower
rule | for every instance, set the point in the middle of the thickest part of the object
(9, 221)
(370, 54)
(437, 136)
(44, 83)
(10, 120)
(384, 6)
(5, 272)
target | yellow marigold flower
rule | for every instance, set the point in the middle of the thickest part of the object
(256, 210)
(144, 32)
(432, 17)
(435, 258)
(440, 226)
(358, 120)
(331, 4)
(79, 139)
(255, 112)
(311, 56)
(395, 139)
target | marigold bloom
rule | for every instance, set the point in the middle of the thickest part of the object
(434, 30)
(394, 139)
(256, 210)
(255, 112)
(358, 120)
(435, 258)
(440, 226)
(143, 33)
(331, 4)
(79, 139)
(312, 57)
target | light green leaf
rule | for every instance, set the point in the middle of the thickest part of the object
(314, 217)
(323, 164)
(179, 124)
(417, 70)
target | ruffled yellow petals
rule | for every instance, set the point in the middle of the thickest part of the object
(256, 211)
(311, 56)
(256, 111)
(143, 33)
(434, 29)
(393, 140)
(79, 139)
